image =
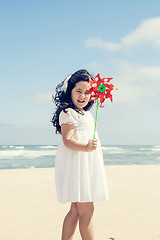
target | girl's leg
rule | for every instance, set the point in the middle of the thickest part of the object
(70, 223)
(85, 212)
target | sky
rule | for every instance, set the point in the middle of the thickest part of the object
(42, 42)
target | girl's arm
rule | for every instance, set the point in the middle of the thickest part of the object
(67, 131)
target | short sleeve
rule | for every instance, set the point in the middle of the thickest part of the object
(70, 117)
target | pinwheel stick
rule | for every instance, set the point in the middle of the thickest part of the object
(95, 120)
(100, 90)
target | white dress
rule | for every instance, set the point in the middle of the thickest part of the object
(80, 176)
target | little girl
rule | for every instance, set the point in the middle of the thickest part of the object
(79, 169)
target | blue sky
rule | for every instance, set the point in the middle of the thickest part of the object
(42, 42)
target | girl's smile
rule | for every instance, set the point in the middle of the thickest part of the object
(79, 95)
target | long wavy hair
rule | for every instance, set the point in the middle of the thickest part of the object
(62, 99)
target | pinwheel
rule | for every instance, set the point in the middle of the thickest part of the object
(100, 90)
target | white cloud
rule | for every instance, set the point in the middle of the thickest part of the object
(150, 73)
(138, 84)
(148, 32)
(44, 98)
(98, 42)
(137, 72)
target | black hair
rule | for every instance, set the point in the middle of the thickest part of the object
(62, 98)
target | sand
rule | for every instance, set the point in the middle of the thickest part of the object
(29, 209)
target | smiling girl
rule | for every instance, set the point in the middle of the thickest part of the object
(79, 169)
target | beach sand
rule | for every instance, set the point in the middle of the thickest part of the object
(29, 209)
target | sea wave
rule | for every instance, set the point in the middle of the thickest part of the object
(12, 147)
(35, 156)
(112, 148)
(142, 149)
(47, 147)
(155, 149)
(19, 147)
(114, 152)
(148, 148)
(9, 154)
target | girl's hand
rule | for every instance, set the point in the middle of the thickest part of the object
(67, 131)
(92, 145)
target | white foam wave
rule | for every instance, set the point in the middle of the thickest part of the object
(7, 154)
(19, 147)
(4, 146)
(46, 147)
(155, 149)
(113, 152)
(16, 147)
(112, 148)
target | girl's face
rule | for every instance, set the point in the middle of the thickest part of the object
(79, 95)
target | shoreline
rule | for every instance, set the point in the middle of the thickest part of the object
(105, 165)
(30, 209)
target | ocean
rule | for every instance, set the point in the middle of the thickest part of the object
(38, 156)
